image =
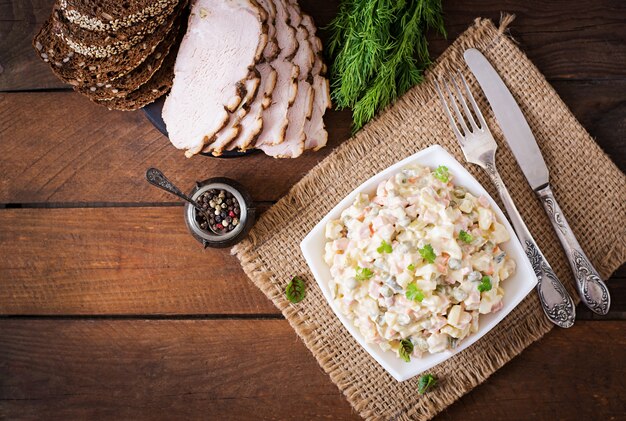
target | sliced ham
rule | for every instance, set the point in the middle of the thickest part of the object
(301, 109)
(252, 123)
(271, 49)
(275, 116)
(218, 142)
(314, 128)
(225, 40)
(244, 125)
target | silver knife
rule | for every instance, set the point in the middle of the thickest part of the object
(593, 291)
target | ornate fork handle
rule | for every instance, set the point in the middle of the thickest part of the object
(556, 302)
(593, 291)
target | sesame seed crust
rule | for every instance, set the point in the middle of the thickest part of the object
(156, 8)
(94, 44)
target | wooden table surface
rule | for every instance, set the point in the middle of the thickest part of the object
(110, 310)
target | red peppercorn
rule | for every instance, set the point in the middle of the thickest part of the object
(231, 214)
(219, 226)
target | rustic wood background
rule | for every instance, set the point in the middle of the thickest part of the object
(110, 310)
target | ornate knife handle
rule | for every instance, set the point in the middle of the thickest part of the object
(593, 291)
(556, 302)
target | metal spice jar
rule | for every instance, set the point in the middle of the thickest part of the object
(230, 212)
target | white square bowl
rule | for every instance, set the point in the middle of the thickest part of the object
(515, 288)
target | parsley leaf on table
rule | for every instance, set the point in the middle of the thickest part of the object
(425, 382)
(296, 290)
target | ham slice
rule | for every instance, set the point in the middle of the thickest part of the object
(224, 41)
(275, 116)
(271, 49)
(218, 142)
(314, 128)
(301, 109)
(252, 123)
(244, 125)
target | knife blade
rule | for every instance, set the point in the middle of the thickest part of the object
(592, 290)
(518, 135)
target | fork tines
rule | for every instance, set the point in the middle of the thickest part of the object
(466, 131)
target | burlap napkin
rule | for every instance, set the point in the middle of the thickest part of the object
(589, 187)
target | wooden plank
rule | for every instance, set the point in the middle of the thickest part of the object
(234, 369)
(121, 261)
(576, 374)
(564, 39)
(226, 370)
(599, 108)
(59, 147)
(567, 40)
(20, 67)
(116, 261)
(71, 150)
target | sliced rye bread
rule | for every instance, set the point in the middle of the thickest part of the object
(120, 87)
(99, 15)
(74, 68)
(158, 85)
(106, 43)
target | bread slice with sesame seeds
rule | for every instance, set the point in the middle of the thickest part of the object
(158, 85)
(77, 69)
(120, 87)
(105, 43)
(100, 15)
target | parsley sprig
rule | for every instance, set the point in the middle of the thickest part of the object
(363, 274)
(406, 349)
(442, 174)
(485, 284)
(425, 382)
(414, 293)
(385, 247)
(465, 237)
(428, 253)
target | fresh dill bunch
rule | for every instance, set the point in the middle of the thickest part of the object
(363, 34)
(378, 51)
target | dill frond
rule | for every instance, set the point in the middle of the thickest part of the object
(378, 51)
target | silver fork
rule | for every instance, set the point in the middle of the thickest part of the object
(479, 147)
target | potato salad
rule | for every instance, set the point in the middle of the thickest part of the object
(415, 265)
